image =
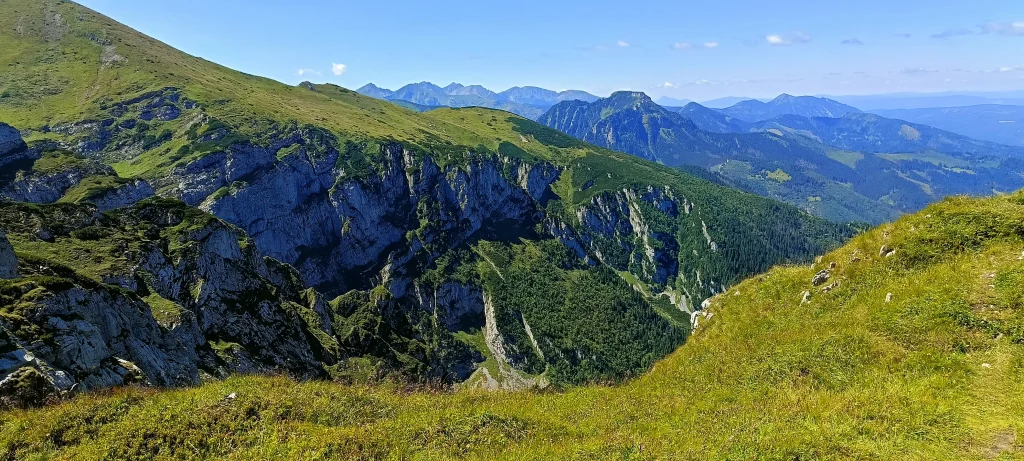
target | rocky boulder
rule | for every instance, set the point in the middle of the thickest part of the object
(821, 277)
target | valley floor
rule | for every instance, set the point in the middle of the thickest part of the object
(910, 350)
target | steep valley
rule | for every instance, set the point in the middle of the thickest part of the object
(458, 245)
(902, 344)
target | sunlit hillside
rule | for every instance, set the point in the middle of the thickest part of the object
(909, 350)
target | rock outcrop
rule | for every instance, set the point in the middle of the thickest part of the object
(11, 144)
(8, 260)
(48, 187)
(307, 212)
(454, 305)
(190, 298)
(123, 195)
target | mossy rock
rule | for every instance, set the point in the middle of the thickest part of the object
(26, 388)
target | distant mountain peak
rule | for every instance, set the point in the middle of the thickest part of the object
(634, 95)
(787, 104)
(666, 101)
(374, 91)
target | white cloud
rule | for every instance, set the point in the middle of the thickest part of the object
(950, 33)
(852, 42)
(682, 46)
(1005, 28)
(917, 71)
(338, 69)
(710, 45)
(668, 85)
(784, 40)
(302, 72)
(622, 44)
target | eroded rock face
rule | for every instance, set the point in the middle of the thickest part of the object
(615, 227)
(88, 333)
(306, 212)
(127, 194)
(454, 305)
(35, 187)
(197, 300)
(8, 260)
(341, 230)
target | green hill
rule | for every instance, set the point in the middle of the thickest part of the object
(911, 349)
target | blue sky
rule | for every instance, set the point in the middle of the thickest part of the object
(685, 49)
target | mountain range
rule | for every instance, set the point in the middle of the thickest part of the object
(991, 122)
(526, 101)
(170, 221)
(198, 263)
(855, 167)
(807, 106)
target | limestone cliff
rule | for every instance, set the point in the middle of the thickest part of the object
(185, 296)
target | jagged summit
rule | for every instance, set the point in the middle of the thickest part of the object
(374, 91)
(528, 101)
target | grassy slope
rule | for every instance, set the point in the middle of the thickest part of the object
(933, 374)
(74, 82)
